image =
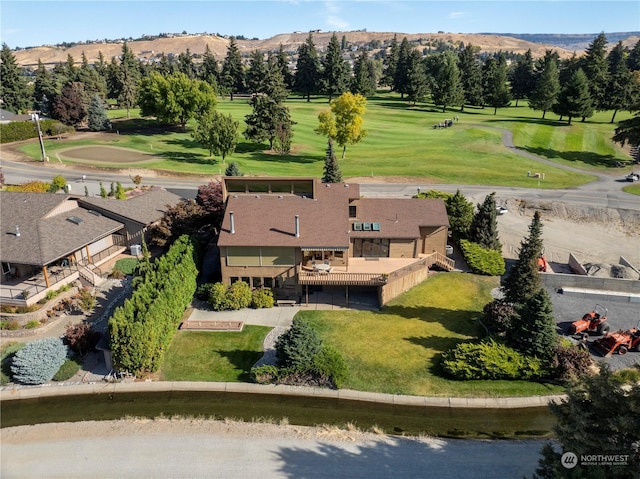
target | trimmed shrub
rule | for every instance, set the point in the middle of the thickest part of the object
(489, 359)
(81, 338)
(38, 361)
(68, 369)
(11, 325)
(498, 316)
(484, 261)
(238, 295)
(86, 300)
(218, 296)
(330, 364)
(34, 323)
(298, 346)
(570, 362)
(126, 265)
(262, 298)
(266, 374)
(35, 186)
(203, 291)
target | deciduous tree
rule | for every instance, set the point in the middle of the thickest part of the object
(344, 121)
(216, 132)
(68, 107)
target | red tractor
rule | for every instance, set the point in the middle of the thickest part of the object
(619, 342)
(593, 322)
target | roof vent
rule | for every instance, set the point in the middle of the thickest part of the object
(232, 223)
(280, 196)
(258, 196)
(17, 231)
(75, 220)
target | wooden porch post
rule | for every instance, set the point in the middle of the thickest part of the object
(46, 276)
(88, 254)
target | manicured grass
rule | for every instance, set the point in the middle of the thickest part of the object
(401, 142)
(6, 353)
(126, 265)
(213, 356)
(634, 189)
(397, 350)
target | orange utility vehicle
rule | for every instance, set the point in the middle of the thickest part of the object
(593, 322)
(619, 342)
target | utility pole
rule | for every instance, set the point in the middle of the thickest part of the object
(35, 117)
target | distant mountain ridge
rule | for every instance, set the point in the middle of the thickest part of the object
(572, 41)
(196, 43)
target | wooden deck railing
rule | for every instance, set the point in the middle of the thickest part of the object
(441, 260)
(340, 278)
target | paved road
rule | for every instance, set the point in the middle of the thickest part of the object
(197, 453)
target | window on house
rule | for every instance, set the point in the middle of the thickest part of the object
(246, 279)
(233, 279)
(256, 282)
(353, 213)
(268, 282)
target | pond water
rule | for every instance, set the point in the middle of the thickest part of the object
(393, 419)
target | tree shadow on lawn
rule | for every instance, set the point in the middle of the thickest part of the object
(182, 156)
(142, 126)
(527, 119)
(456, 321)
(242, 360)
(586, 157)
(261, 155)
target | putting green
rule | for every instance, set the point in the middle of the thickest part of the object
(97, 154)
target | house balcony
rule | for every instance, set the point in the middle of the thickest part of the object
(360, 272)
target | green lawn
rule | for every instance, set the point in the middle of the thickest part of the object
(6, 353)
(634, 189)
(213, 356)
(397, 350)
(401, 142)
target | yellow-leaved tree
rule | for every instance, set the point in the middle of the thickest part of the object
(344, 123)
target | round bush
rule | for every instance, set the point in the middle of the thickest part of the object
(239, 295)
(266, 374)
(262, 298)
(329, 363)
(218, 297)
(68, 369)
(38, 361)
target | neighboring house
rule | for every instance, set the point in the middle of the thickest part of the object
(51, 239)
(293, 233)
(8, 116)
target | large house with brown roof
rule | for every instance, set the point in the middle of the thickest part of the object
(53, 239)
(296, 233)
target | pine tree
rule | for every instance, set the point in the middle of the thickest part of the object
(460, 212)
(594, 64)
(209, 71)
(495, 88)
(335, 71)
(127, 77)
(364, 80)
(266, 118)
(307, 76)
(523, 78)
(547, 87)
(391, 63)
(232, 170)
(97, 116)
(13, 87)
(471, 76)
(484, 226)
(332, 172)
(523, 279)
(574, 99)
(622, 91)
(232, 75)
(417, 86)
(534, 333)
(447, 88)
(44, 90)
(633, 60)
(401, 76)
(283, 64)
(186, 65)
(256, 73)
(103, 191)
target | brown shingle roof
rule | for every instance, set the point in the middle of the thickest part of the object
(399, 217)
(44, 236)
(145, 209)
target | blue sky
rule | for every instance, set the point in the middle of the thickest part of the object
(27, 23)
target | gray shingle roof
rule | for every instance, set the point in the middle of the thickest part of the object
(145, 209)
(46, 237)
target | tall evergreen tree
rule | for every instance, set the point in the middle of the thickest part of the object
(256, 73)
(273, 84)
(633, 60)
(44, 91)
(307, 76)
(495, 87)
(401, 77)
(266, 118)
(594, 64)
(332, 172)
(232, 76)
(547, 87)
(574, 99)
(97, 115)
(363, 81)
(283, 65)
(534, 333)
(460, 213)
(567, 67)
(622, 90)
(209, 71)
(417, 85)
(446, 89)
(13, 87)
(471, 76)
(335, 71)
(523, 279)
(101, 66)
(390, 63)
(523, 78)
(127, 80)
(186, 65)
(484, 226)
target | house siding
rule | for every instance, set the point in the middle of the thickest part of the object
(434, 239)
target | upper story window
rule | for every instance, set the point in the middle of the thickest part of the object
(353, 213)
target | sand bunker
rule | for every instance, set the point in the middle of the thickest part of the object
(105, 154)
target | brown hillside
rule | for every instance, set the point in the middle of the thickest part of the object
(290, 41)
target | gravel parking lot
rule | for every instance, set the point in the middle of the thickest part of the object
(621, 315)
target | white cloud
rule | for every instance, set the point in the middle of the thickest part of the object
(337, 23)
(332, 7)
(457, 14)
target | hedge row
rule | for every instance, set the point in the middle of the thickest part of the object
(25, 130)
(141, 329)
(484, 261)
(237, 296)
